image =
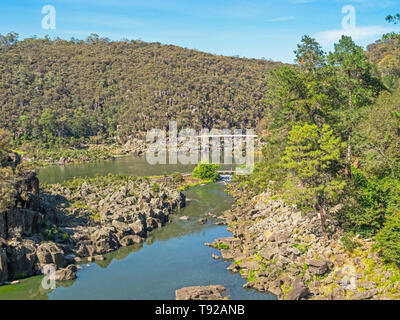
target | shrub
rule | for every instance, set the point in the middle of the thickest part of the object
(348, 242)
(371, 200)
(206, 171)
(177, 177)
(388, 239)
(155, 187)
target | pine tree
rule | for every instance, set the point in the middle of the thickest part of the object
(312, 158)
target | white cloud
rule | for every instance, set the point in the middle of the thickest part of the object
(281, 19)
(361, 33)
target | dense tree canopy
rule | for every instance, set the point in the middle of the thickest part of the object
(333, 134)
(58, 88)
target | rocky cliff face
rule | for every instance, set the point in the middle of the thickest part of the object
(59, 225)
(22, 219)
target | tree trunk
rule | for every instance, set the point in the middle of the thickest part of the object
(322, 214)
(349, 152)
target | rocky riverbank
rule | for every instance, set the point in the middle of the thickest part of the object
(278, 249)
(83, 153)
(213, 292)
(60, 224)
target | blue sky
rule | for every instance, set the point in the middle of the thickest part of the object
(256, 28)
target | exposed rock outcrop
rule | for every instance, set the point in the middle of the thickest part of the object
(282, 251)
(57, 225)
(214, 292)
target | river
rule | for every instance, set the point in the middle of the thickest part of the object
(172, 257)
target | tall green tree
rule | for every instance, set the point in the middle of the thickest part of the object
(379, 133)
(357, 87)
(309, 54)
(305, 93)
(48, 122)
(312, 158)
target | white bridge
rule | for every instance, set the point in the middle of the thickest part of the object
(228, 135)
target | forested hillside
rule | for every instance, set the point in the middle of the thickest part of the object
(57, 88)
(384, 53)
(334, 139)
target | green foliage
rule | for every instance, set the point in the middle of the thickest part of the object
(155, 187)
(177, 177)
(52, 232)
(4, 146)
(388, 239)
(251, 276)
(302, 247)
(206, 171)
(298, 96)
(385, 53)
(379, 136)
(7, 174)
(393, 18)
(48, 122)
(312, 158)
(7, 189)
(348, 242)
(309, 54)
(317, 105)
(58, 88)
(221, 246)
(370, 200)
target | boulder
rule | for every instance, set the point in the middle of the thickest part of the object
(122, 228)
(21, 259)
(85, 250)
(68, 273)
(298, 291)
(234, 267)
(153, 223)
(230, 241)
(131, 240)
(227, 254)
(365, 295)
(138, 227)
(49, 252)
(104, 240)
(202, 220)
(267, 255)
(275, 288)
(213, 292)
(71, 258)
(282, 237)
(27, 189)
(250, 265)
(318, 267)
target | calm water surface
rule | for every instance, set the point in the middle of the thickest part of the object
(172, 258)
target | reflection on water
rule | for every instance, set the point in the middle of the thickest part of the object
(127, 165)
(172, 257)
